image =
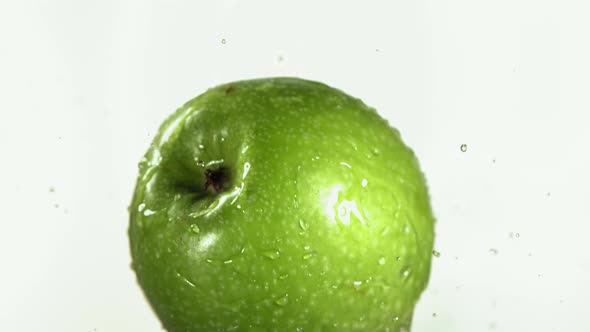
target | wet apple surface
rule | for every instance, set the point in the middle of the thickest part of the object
(280, 204)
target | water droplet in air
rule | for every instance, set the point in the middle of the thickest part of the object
(435, 253)
(463, 147)
(272, 254)
(434, 314)
(517, 234)
(51, 189)
(493, 251)
(223, 41)
(195, 228)
(381, 260)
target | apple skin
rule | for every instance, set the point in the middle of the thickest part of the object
(321, 221)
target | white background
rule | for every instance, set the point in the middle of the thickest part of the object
(85, 84)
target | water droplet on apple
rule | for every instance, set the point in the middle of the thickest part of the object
(463, 147)
(200, 163)
(282, 301)
(435, 253)
(376, 151)
(303, 225)
(345, 165)
(395, 318)
(148, 212)
(364, 183)
(246, 169)
(398, 258)
(228, 261)
(272, 254)
(201, 146)
(188, 282)
(405, 273)
(381, 260)
(141, 207)
(406, 229)
(195, 228)
(309, 255)
(284, 276)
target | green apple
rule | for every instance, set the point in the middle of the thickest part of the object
(280, 204)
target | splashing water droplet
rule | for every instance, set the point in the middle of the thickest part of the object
(195, 228)
(434, 314)
(223, 41)
(463, 147)
(493, 251)
(272, 254)
(435, 253)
